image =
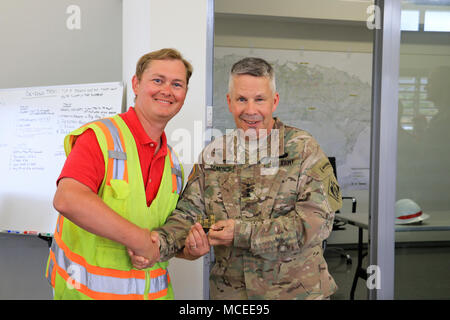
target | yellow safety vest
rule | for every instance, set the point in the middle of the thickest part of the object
(82, 265)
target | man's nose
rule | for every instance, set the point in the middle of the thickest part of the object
(166, 89)
(251, 107)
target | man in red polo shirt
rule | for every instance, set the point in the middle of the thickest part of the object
(160, 85)
(85, 162)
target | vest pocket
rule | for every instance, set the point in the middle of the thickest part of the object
(110, 254)
(116, 196)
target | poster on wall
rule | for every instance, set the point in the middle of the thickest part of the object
(325, 93)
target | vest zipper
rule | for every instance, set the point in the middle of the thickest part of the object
(147, 284)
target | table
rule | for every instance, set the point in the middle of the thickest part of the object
(438, 221)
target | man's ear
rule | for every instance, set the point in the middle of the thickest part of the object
(276, 100)
(135, 84)
(229, 101)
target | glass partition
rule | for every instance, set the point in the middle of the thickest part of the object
(423, 178)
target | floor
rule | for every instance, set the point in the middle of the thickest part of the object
(420, 273)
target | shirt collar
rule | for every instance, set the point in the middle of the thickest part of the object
(139, 133)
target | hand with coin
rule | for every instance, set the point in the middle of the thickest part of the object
(196, 244)
(222, 233)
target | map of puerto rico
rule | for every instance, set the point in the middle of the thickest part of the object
(325, 93)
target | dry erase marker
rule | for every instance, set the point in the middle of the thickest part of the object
(31, 232)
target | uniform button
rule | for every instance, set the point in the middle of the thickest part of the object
(150, 180)
(152, 145)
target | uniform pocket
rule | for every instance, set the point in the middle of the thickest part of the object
(327, 283)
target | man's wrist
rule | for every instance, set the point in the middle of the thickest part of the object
(187, 255)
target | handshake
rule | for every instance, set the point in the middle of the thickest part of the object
(197, 243)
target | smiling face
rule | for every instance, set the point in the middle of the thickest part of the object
(161, 90)
(252, 101)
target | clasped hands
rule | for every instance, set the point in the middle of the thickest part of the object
(197, 243)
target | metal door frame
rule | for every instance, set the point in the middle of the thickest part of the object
(383, 157)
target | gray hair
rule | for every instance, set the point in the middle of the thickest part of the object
(256, 67)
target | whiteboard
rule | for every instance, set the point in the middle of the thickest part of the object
(33, 123)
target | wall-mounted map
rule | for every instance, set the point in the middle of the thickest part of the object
(325, 93)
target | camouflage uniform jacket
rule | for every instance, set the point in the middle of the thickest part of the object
(283, 204)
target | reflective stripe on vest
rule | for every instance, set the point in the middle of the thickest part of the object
(101, 283)
(121, 285)
(117, 156)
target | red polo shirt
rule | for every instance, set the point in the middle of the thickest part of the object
(85, 162)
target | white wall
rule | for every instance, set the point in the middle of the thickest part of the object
(37, 48)
(182, 25)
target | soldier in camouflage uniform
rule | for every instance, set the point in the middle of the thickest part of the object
(273, 205)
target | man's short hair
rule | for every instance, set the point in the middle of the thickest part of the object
(162, 54)
(256, 67)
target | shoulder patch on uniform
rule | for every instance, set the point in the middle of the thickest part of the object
(334, 193)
